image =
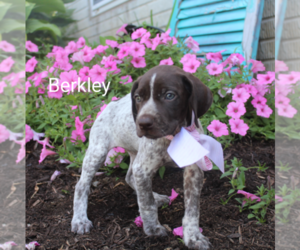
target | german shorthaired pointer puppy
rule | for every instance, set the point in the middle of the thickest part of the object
(160, 103)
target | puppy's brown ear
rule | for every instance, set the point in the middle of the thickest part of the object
(200, 98)
(133, 106)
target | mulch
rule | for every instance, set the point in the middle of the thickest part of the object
(112, 206)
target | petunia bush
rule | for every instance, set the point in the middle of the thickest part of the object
(242, 104)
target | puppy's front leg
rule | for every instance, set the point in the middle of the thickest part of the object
(143, 168)
(193, 182)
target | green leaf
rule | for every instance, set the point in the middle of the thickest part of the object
(123, 165)
(231, 191)
(3, 9)
(219, 113)
(258, 205)
(28, 9)
(33, 25)
(225, 174)
(161, 172)
(7, 25)
(250, 216)
(48, 6)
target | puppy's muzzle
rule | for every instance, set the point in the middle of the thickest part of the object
(145, 122)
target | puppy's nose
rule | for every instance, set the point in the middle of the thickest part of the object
(145, 122)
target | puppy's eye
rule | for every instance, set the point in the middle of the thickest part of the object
(169, 96)
(137, 98)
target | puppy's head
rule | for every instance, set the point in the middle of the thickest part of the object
(164, 98)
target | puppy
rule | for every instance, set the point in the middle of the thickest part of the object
(160, 103)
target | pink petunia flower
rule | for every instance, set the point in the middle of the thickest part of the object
(192, 44)
(70, 78)
(258, 100)
(249, 195)
(235, 59)
(28, 133)
(281, 100)
(110, 65)
(137, 50)
(235, 109)
(100, 49)
(265, 78)
(6, 64)
(80, 43)
(188, 57)
(138, 62)
(78, 133)
(7, 47)
(280, 66)
(27, 86)
(45, 152)
(264, 111)
(54, 175)
(166, 61)
(287, 111)
(146, 40)
(4, 133)
(278, 198)
(216, 57)
(238, 126)
(124, 51)
(114, 98)
(138, 221)
(45, 142)
(240, 95)
(191, 66)
(173, 196)
(98, 74)
(112, 153)
(214, 68)
(78, 57)
(2, 86)
(165, 37)
(127, 77)
(88, 54)
(32, 245)
(179, 231)
(257, 66)
(84, 73)
(30, 64)
(71, 47)
(290, 78)
(138, 33)
(155, 42)
(112, 43)
(122, 29)
(55, 91)
(30, 46)
(251, 89)
(8, 245)
(218, 128)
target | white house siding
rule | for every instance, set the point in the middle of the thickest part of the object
(289, 50)
(266, 47)
(108, 22)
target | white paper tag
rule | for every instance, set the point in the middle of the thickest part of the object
(215, 150)
(185, 150)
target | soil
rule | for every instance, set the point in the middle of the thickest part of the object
(112, 206)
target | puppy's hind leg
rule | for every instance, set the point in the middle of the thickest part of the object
(94, 158)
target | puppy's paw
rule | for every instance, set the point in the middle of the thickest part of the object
(194, 239)
(155, 230)
(81, 225)
(160, 199)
